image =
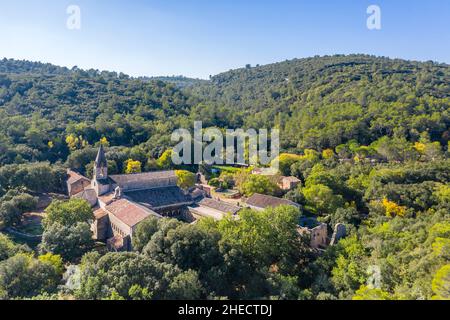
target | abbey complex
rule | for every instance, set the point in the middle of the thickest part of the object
(122, 201)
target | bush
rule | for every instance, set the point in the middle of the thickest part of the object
(67, 213)
(259, 184)
(13, 205)
(22, 276)
(70, 242)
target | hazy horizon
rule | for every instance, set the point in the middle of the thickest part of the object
(201, 38)
(196, 78)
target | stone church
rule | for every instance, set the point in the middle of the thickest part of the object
(122, 201)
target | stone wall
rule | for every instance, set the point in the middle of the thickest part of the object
(148, 184)
(118, 227)
(101, 228)
(319, 236)
(77, 187)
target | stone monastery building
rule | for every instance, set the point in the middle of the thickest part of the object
(121, 202)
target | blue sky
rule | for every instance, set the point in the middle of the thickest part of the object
(198, 38)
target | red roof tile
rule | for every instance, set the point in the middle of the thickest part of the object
(129, 213)
(75, 176)
(99, 213)
(264, 201)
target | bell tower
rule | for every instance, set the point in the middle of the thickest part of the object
(101, 165)
(100, 181)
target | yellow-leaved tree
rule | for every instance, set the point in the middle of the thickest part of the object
(393, 209)
(441, 283)
(420, 147)
(133, 166)
(327, 153)
(165, 161)
(74, 142)
(286, 160)
(366, 293)
(53, 259)
(186, 179)
(104, 142)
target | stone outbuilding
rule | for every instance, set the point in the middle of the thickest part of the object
(318, 235)
(210, 208)
(76, 183)
(288, 183)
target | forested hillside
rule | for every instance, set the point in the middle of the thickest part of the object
(318, 103)
(323, 102)
(179, 81)
(42, 105)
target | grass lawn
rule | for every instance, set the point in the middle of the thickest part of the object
(34, 229)
(31, 226)
(17, 239)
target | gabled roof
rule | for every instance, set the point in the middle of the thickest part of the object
(106, 198)
(219, 206)
(197, 194)
(116, 242)
(128, 212)
(100, 160)
(123, 179)
(89, 195)
(75, 177)
(99, 213)
(291, 179)
(263, 201)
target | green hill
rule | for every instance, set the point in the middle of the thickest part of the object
(324, 101)
(179, 81)
(42, 104)
(318, 103)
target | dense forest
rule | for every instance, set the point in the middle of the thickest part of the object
(324, 102)
(179, 81)
(367, 136)
(317, 103)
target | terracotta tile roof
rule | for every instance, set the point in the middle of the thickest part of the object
(219, 206)
(107, 198)
(89, 195)
(75, 177)
(128, 212)
(291, 179)
(100, 213)
(116, 242)
(264, 201)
